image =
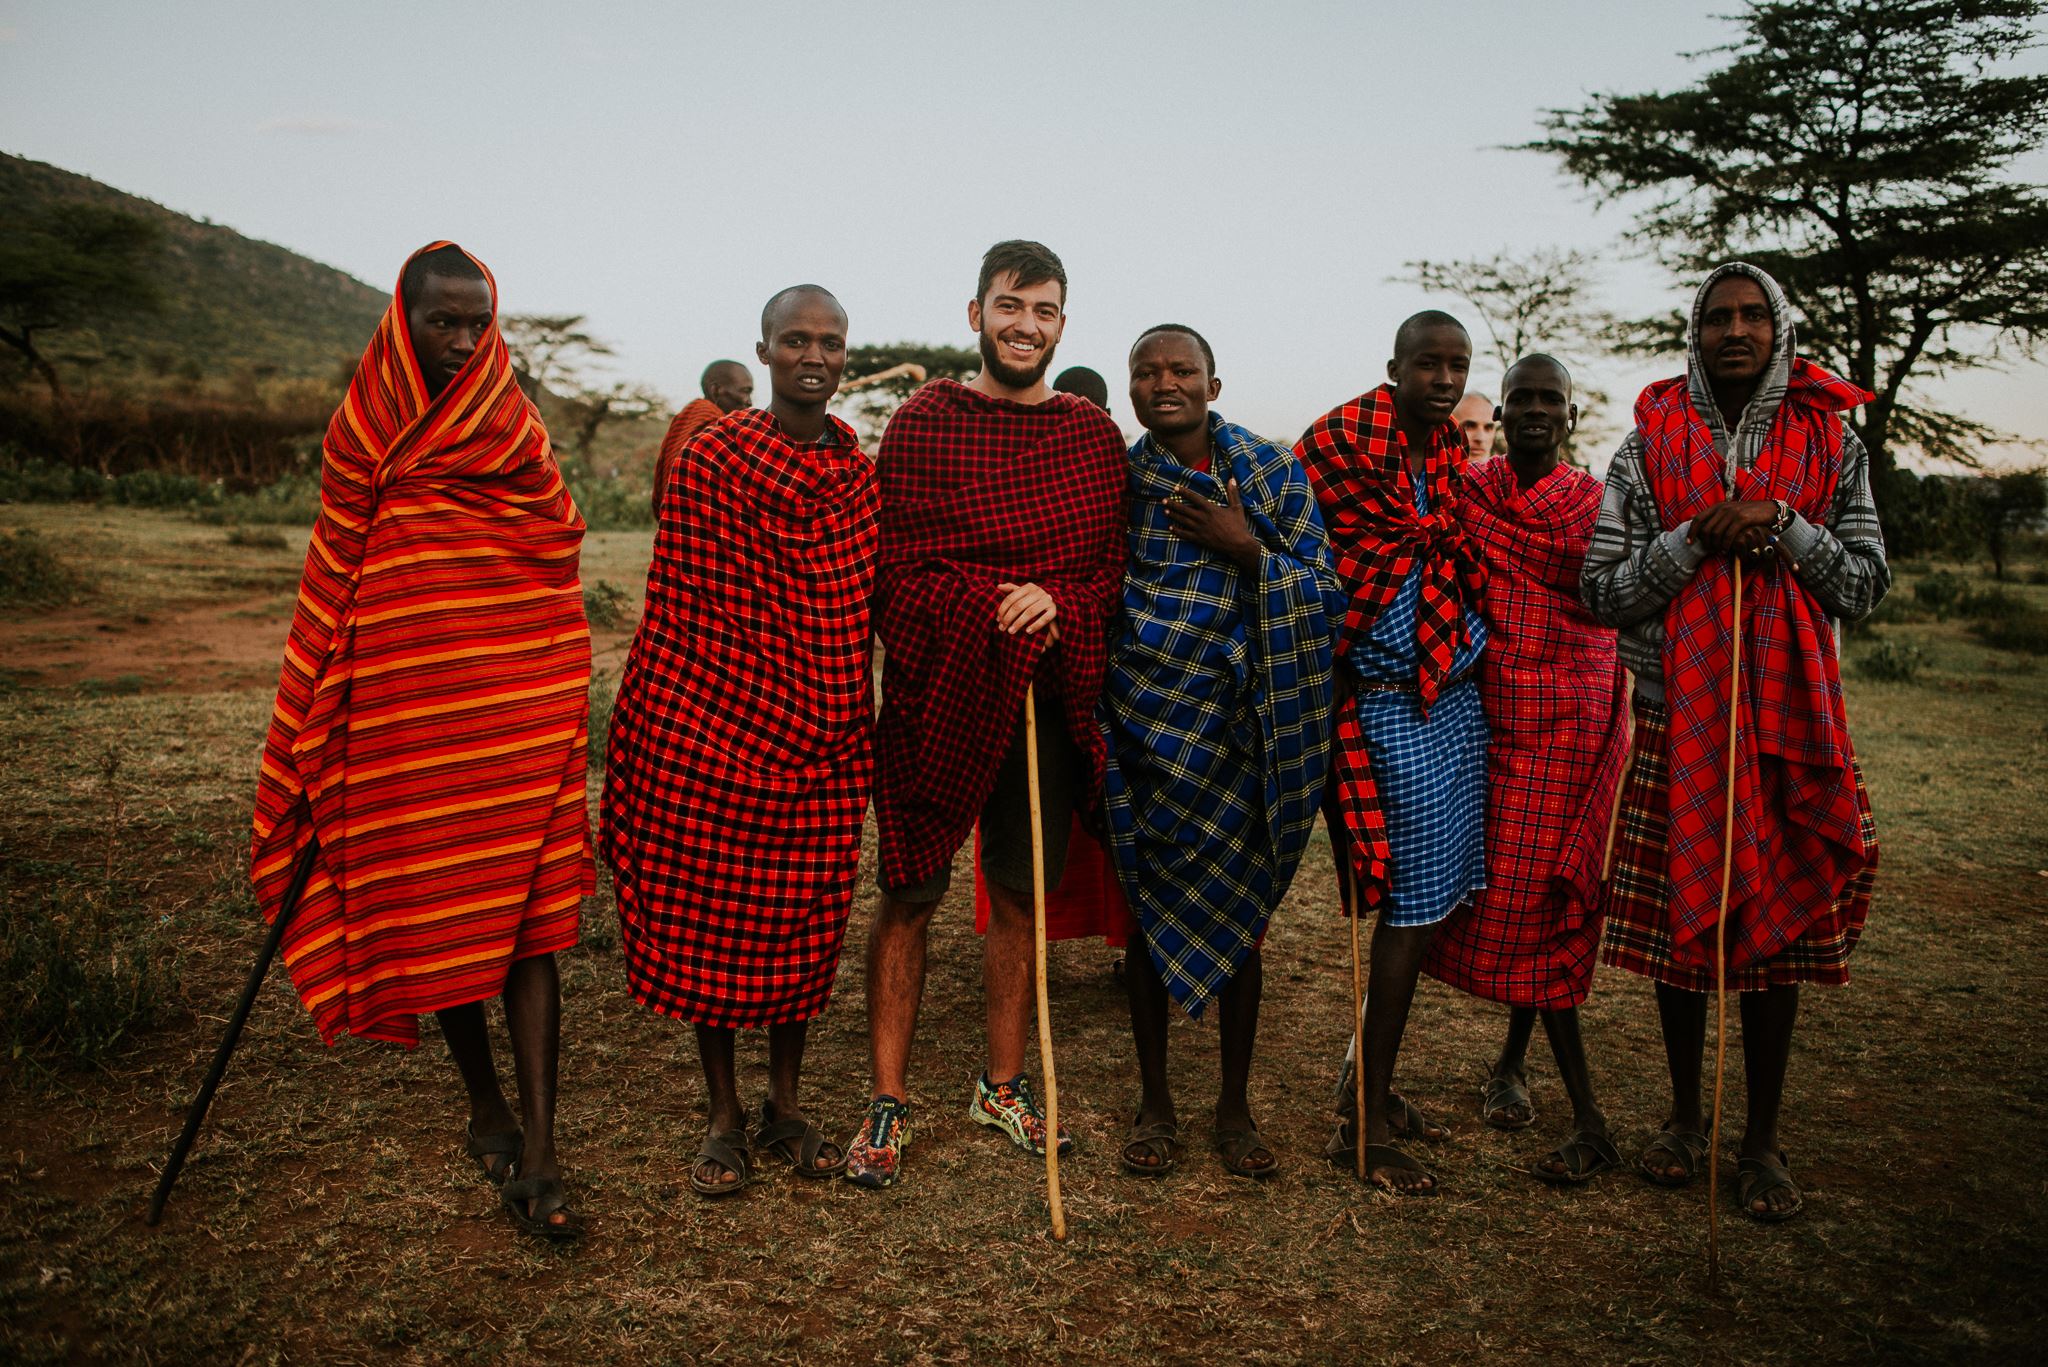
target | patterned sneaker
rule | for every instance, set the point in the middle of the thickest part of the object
(1010, 1107)
(876, 1153)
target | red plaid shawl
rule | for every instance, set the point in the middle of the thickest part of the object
(1798, 831)
(1356, 459)
(432, 710)
(695, 416)
(978, 491)
(740, 758)
(1552, 689)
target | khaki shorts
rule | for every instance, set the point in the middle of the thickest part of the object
(1006, 816)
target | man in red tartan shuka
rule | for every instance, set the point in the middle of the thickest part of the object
(1002, 559)
(1558, 729)
(1745, 455)
(741, 750)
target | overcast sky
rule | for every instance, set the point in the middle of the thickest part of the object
(1255, 171)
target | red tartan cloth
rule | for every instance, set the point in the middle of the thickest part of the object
(433, 706)
(1356, 459)
(1557, 717)
(740, 760)
(1798, 834)
(695, 416)
(978, 491)
(1088, 904)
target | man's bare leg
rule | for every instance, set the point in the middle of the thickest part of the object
(1513, 1065)
(1683, 1016)
(533, 1014)
(1397, 953)
(1568, 1047)
(1148, 998)
(895, 976)
(721, 1089)
(1237, 1032)
(469, 1044)
(785, 1073)
(1008, 953)
(1767, 1020)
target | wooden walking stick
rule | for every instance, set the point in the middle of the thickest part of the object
(1357, 1020)
(1052, 1086)
(196, 1116)
(1721, 941)
(1628, 692)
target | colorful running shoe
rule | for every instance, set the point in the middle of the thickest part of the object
(1010, 1107)
(876, 1153)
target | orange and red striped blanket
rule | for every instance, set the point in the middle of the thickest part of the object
(431, 715)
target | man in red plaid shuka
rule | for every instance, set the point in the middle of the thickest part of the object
(1552, 690)
(1746, 455)
(1002, 559)
(740, 758)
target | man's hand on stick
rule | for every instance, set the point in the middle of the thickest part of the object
(1222, 528)
(1729, 527)
(1027, 608)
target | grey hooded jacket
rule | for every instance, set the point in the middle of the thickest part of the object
(1634, 568)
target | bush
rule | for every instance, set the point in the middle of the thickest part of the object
(605, 603)
(79, 980)
(31, 575)
(1894, 609)
(1991, 605)
(1939, 591)
(2038, 575)
(609, 505)
(293, 501)
(262, 539)
(604, 690)
(2026, 632)
(1891, 662)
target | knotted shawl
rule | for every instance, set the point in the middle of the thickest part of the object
(1217, 709)
(978, 491)
(740, 758)
(1356, 460)
(432, 711)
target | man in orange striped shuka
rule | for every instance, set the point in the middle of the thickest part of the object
(431, 721)
(728, 387)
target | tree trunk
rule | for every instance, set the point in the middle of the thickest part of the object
(24, 342)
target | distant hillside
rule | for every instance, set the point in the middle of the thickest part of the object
(232, 307)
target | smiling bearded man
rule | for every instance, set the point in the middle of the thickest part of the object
(1408, 796)
(1002, 555)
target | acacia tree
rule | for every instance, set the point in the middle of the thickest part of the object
(550, 351)
(1861, 153)
(1544, 301)
(70, 266)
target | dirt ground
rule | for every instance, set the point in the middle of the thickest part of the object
(328, 1213)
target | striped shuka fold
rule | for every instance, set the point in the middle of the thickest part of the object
(432, 710)
(741, 752)
(978, 491)
(1380, 539)
(1556, 714)
(1216, 709)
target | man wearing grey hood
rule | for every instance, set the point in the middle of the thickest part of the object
(1743, 459)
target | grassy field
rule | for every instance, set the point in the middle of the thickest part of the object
(328, 1213)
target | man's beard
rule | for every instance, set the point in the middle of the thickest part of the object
(992, 361)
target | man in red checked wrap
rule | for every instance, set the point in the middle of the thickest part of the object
(740, 759)
(1002, 560)
(1745, 455)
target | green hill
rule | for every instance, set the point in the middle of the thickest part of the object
(231, 308)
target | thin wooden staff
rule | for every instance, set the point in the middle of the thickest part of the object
(1357, 1019)
(1052, 1086)
(1628, 754)
(196, 1116)
(1721, 939)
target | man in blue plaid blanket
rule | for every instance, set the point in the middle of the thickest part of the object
(1217, 710)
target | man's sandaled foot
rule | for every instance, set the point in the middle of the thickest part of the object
(875, 1156)
(1389, 1169)
(495, 1154)
(540, 1206)
(1151, 1150)
(724, 1165)
(1673, 1158)
(1504, 1103)
(1758, 1181)
(1244, 1152)
(802, 1145)
(1584, 1156)
(1406, 1122)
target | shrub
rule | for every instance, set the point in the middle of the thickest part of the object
(1893, 610)
(80, 981)
(1891, 662)
(2026, 632)
(1938, 592)
(609, 505)
(605, 603)
(604, 690)
(293, 501)
(2038, 575)
(32, 575)
(1990, 605)
(263, 538)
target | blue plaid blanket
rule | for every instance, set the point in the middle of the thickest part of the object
(1217, 709)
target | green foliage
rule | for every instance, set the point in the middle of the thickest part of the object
(1891, 662)
(609, 505)
(31, 575)
(604, 691)
(258, 538)
(1990, 605)
(2025, 632)
(606, 604)
(2002, 505)
(1893, 610)
(1939, 591)
(86, 966)
(66, 266)
(1861, 152)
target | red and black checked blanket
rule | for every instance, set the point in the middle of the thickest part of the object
(1798, 829)
(741, 751)
(1557, 717)
(978, 491)
(432, 711)
(696, 415)
(1356, 459)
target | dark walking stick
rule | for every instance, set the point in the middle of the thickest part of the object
(195, 1117)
